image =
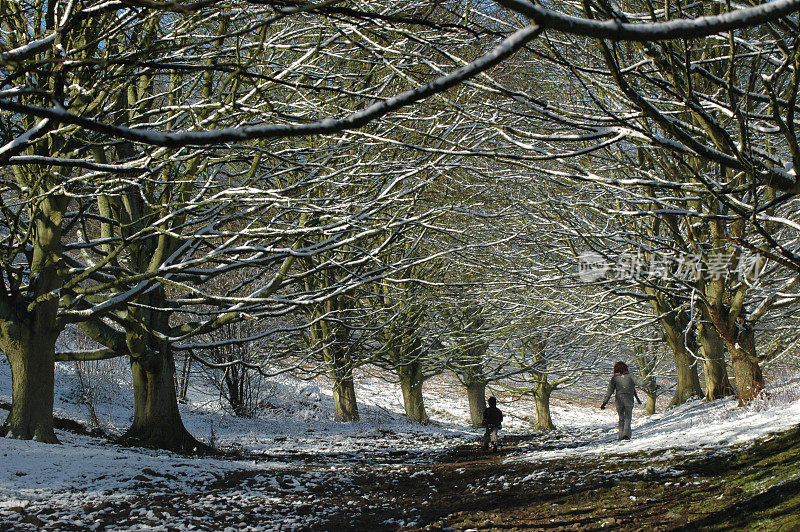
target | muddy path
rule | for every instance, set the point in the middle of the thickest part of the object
(460, 488)
(463, 488)
(750, 489)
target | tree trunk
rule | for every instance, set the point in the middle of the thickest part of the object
(345, 407)
(184, 383)
(650, 403)
(712, 347)
(688, 385)
(741, 343)
(235, 382)
(29, 329)
(541, 396)
(647, 362)
(157, 421)
(746, 370)
(32, 362)
(472, 357)
(680, 338)
(476, 394)
(411, 380)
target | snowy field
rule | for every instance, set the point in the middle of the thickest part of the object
(295, 455)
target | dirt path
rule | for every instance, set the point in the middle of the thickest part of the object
(462, 488)
(755, 489)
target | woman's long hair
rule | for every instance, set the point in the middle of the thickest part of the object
(620, 368)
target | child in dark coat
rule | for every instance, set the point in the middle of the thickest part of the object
(492, 420)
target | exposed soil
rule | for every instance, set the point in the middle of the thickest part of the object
(757, 488)
(463, 488)
(752, 489)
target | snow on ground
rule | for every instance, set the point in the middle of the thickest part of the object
(76, 481)
(296, 416)
(295, 449)
(297, 456)
(694, 426)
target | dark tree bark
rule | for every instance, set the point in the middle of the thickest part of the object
(29, 328)
(541, 395)
(688, 381)
(31, 353)
(476, 394)
(411, 380)
(157, 421)
(344, 400)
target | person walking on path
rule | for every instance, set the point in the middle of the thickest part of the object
(622, 383)
(492, 420)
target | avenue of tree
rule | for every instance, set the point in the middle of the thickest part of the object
(321, 188)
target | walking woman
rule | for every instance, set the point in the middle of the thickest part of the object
(622, 384)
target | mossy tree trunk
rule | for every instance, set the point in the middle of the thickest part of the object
(712, 347)
(344, 399)
(473, 346)
(725, 309)
(29, 327)
(411, 380)
(330, 337)
(541, 394)
(535, 347)
(157, 420)
(746, 369)
(681, 339)
(476, 395)
(31, 354)
(340, 364)
(33, 247)
(403, 344)
(650, 403)
(688, 381)
(740, 340)
(647, 363)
